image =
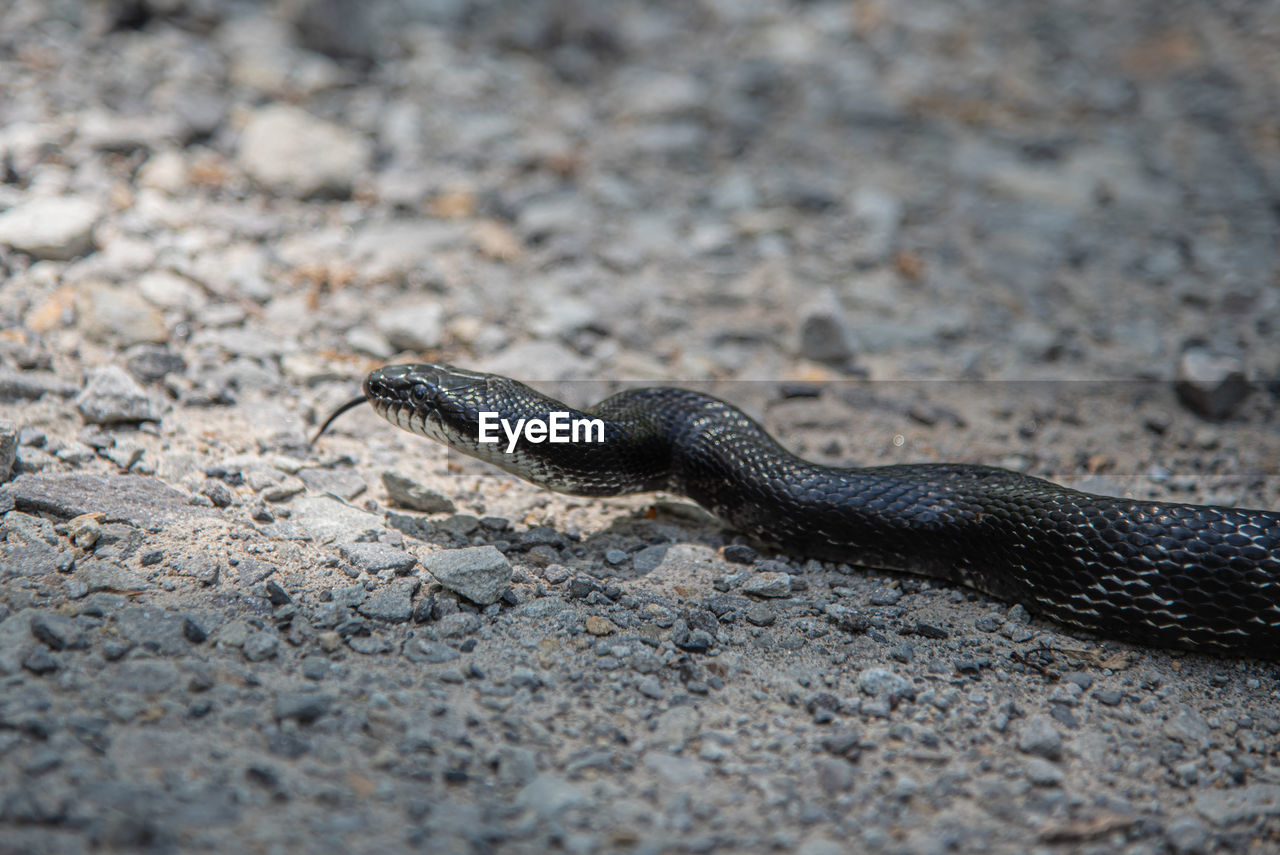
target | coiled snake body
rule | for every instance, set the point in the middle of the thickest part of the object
(1177, 575)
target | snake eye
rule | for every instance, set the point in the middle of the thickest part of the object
(418, 393)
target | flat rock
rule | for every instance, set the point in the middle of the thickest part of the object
(133, 499)
(408, 493)
(343, 483)
(325, 520)
(54, 227)
(154, 629)
(421, 650)
(1223, 807)
(291, 151)
(34, 384)
(111, 313)
(549, 795)
(145, 676)
(768, 584)
(377, 557)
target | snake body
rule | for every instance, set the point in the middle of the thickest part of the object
(1196, 577)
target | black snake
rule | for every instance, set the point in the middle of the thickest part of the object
(1192, 576)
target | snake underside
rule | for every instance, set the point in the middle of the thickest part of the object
(1178, 575)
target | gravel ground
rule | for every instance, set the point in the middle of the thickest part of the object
(1037, 235)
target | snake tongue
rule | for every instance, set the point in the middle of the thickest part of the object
(354, 402)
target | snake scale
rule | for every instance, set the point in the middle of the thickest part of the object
(1196, 577)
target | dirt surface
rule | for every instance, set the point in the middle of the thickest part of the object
(1034, 235)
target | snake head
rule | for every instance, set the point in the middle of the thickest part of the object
(431, 399)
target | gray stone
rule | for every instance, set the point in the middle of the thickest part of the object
(877, 215)
(145, 676)
(885, 597)
(377, 557)
(1209, 384)
(482, 574)
(369, 645)
(648, 559)
(408, 493)
(154, 629)
(676, 770)
(33, 558)
(880, 682)
(825, 334)
(760, 614)
(304, 706)
(819, 845)
(58, 632)
(8, 448)
(34, 384)
(542, 608)
(549, 795)
(431, 652)
(260, 645)
(392, 603)
(109, 576)
(53, 227)
(1039, 736)
(457, 625)
(1187, 836)
(39, 660)
(370, 343)
(516, 766)
(1042, 773)
(291, 151)
(233, 633)
(650, 686)
(1224, 807)
(111, 396)
(768, 584)
(16, 641)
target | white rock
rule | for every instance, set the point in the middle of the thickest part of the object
(402, 252)
(168, 290)
(412, 326)
(166, 171)
(120, 314)
(291, 151)
(53, 227)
